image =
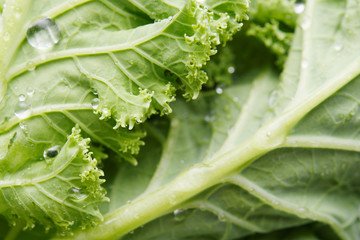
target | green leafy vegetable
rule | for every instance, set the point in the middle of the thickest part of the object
(261, 143)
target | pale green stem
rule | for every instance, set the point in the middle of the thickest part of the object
(202, 176)
(192, 181)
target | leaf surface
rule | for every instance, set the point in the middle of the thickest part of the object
(268, 147)
(104, 66)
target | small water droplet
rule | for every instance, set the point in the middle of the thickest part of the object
(22, 110)
(272, 98)
(43, 34)
(231, 70)
(94, 91)
(74, 190)
(30, 91)
(182, 161)
(95, 103)
(22, 98)
(22, 125)
(299, 7)
(268, 134)
(275, 202)
(30, 65)
(178, 211)
(219, 90)
(166, 111)
(251, 189)
(77, 193)
(305, 23)
(51, 153)
(304, 64)
(338, 47)
(235, 99)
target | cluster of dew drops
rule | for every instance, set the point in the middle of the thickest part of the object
(41, 35)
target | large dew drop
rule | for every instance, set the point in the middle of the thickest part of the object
(43, 34)
(50, 153)
(22, 109)
(299, 7)
(95, 103)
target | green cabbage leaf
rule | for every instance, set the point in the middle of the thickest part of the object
(262, 141)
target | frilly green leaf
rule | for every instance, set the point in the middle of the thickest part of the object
(62, 192)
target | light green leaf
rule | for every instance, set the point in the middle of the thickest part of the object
(267, 153)
(62, 188)
(101, 65)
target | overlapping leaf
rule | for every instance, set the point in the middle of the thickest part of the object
(291, 142)
(103, 65)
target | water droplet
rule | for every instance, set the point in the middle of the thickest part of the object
(305, 23)
(299, 7)
(268, 134)
(43, 33)
(30, 65)
(182, 161)
(22, 98)
(231, 70)
(77, 193)
(22, 110)
(95, 103)
(94, 91)
(275, 202)
(235, 99)
(219, 90)
(338, 47)
(51, 153)
(166, 111)
(251, 189)
(74, 190)
(30, 91)
(6, 36)
(178, 211)
(272, 98)
(179, 214)
(22, 125)
(304, 64)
